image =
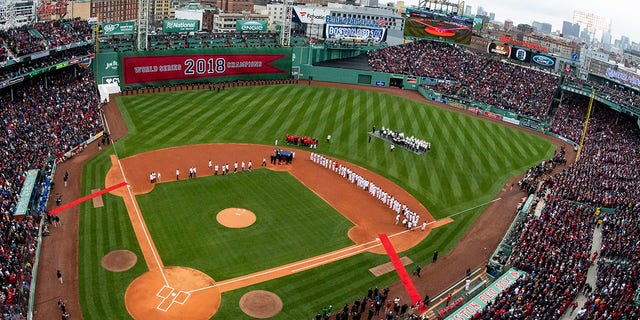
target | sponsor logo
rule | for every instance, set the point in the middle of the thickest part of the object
(113, 65)
(521, 54)
(181, 25)
(382, 22)
(110, 27)
(543, 60)
(252, 26)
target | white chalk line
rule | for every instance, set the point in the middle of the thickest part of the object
(135, 206)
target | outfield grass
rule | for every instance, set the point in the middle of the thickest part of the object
(292, 223)
(470, 161)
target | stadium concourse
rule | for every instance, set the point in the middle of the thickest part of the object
(52, 113)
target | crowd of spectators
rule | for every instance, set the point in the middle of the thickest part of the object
(55, 57)
(45, 35)
(375, 304)
(471, 76)
(554, 248)
(39, 120)
(609, 90)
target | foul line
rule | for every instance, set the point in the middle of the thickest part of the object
(138, 215)
(87, 197)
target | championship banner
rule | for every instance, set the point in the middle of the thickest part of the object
(138, 69)
(175, 26)
(118, 28)
(340, 32)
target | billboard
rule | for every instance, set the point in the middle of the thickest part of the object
(118, 28)
(251, 26)
(499, 49)
(477, 24)
(345, 32)
(438, 26)
(520, 54)
(543, 61)
(138, 68)
(310, 15)
(175, 26)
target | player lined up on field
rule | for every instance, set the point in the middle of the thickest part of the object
(409, 218)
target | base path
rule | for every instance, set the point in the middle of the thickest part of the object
(182, 293)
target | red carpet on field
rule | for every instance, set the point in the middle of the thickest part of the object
(85, 198)
(402, 272)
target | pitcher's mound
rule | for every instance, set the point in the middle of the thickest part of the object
(236, 218)
(119, 260)
(260, 304)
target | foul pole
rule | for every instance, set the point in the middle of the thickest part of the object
(586, 124)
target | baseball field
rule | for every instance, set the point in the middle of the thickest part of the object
(172, 227)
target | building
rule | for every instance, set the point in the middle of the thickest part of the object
(631, 58)
(17, 13)
(162, 10)
(114, 10)
(524, 28)
(314, 21)
(492, 16)
(467, 10)
(570, 30)
(194, 11)
(624, 42)
(225, 22)
(235, 6)
(481, 11)
(555, 45)
(508, 25)
(606, 40)
(542, 27)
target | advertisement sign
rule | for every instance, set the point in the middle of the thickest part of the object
(251, 26)
(499, 49)
(356, 21)
(477, 24)
(490, 293)
(526, 44)
(342, 32)
(139, 69)
(118, 28)
(310, 15)
(543, 61)
(623, 76)
(175, 26)
(520, 54)
(435, 25)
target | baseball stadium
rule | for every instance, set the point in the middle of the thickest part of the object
(194, 174)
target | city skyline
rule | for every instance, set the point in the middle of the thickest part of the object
(555, 12)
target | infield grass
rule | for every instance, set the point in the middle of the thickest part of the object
(470, 160)
(292, 223)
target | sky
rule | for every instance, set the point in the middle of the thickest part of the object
(623, 13)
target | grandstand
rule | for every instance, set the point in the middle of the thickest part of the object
(49, 107)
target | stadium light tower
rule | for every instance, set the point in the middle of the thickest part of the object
(285, 30)
(143, 24)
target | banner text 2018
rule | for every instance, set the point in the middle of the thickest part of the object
(144, 69)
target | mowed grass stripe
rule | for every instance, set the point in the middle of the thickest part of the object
(443, 186)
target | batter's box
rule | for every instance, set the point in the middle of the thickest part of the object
(165, 292)
(182, 297)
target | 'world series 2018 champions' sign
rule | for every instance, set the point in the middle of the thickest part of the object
(340, 32)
